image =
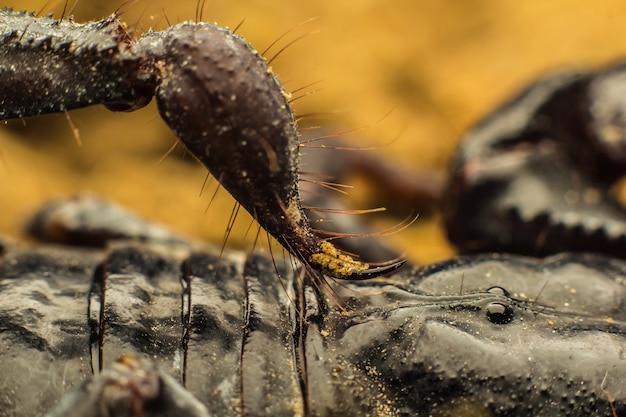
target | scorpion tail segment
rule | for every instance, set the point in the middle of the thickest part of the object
(51, 66)
(225, 104)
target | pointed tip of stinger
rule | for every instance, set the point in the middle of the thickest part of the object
(374, 272)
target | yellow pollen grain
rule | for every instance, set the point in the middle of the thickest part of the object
(336, 263)
(293, 211)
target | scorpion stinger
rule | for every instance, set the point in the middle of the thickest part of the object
(212, 88)
(228, 108)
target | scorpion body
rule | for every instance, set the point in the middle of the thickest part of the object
(461, 335)
(492, 335)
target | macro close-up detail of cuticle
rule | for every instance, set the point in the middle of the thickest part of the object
(317, 209)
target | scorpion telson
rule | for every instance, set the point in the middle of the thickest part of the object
(213, 90)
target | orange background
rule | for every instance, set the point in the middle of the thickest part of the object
(439, 66)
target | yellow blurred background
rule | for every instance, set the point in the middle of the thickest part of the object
(438, 66)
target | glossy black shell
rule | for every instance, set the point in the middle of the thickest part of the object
(504, 335)
(494, 335)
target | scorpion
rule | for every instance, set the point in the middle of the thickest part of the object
(529, 320)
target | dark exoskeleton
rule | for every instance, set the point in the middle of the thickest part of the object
(244, 334)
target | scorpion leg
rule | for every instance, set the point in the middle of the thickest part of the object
(89, 221)
(534, 177)
(131, 387)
